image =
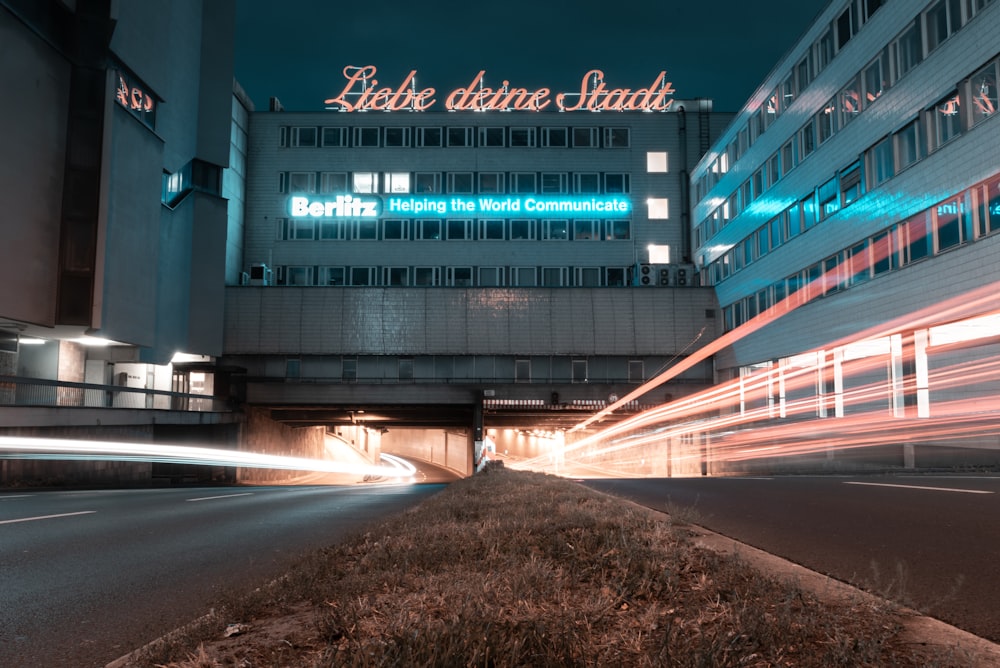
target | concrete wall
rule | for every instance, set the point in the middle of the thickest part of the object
(450, 449)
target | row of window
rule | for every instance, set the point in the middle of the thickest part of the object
(465, 137)
(936, 23)
(591, 277)
(466, 183)
(971, 215)
(494, 368)
(970, 103)
(298, 229)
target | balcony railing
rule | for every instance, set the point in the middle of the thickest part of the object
(19, 391)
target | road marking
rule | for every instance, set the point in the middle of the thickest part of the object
(227, 496)
(16, 496)
(47, 517)
(935, 489)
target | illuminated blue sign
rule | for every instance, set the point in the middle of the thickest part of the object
(515, 206)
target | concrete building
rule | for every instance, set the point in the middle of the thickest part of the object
(435, 254)
(114, 150)
(854, 202)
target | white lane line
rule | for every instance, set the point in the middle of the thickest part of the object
(225, 496)
(934, 489)
(16, 496)
(47, 517)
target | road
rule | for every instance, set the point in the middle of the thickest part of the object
(930, 542)
(87, 576)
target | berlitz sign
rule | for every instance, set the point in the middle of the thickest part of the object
(405, 206)
(363, 93)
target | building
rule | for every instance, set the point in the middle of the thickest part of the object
(115, 223)
(414, 245)
(846, 220)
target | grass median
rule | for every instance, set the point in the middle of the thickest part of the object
(520, 569)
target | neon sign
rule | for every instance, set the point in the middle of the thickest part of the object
(362, 93)
(524, 206)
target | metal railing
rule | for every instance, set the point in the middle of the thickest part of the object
(20, 391)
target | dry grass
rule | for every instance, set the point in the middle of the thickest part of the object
(519, 569)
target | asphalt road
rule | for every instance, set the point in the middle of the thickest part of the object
(932, 543)
(87, 576)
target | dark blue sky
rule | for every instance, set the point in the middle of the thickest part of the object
(296, 50)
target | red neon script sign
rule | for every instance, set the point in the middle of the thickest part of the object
(362, 93)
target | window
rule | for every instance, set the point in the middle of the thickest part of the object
(849, 101)
(846, 26)
(429, 229)
(619, 230)
(333, 182)
(362, 275)
(396, 182)
(429, 137)
(758, 182)
(332, 275)
(349, 369)
(405, 368)
(880, 163)
(829, 201)
(616, 183)
(427, 182)
(555, 137)
(777, 231)
(947, 121)
(491, 137)
(763, 241)
(397, 136)
(803, 73)
(883, 257)
(303, 137)
(586, 230)
(579, 371)
(298, 275)
(366, 136)
(555, 182)
(522, 229)
(365, 230)
(615, 277)
(942, 19)
(824, 50)
(851, 185)
(523, 276)
(794, 220)
(658, 208)
(876, 78)
(788, 91)
(909, 145)
(588, 277)
(585, 138)
(990, 218)
(656, 162)
(491, 276)
(555, 230)
(522, 371)
(773, 170)
(397, 276)
(491, 230)
(916, 240)
(522, 137)
(395, 229)
(788, 156)
(906, 50)
(523, 182)
(983, 92)
(616, 137)
(588, 184)
(459, 136)
(301, 182)
(808, 207)
(426, 276)
(490, 182)
(334, 137)
(460, 276)
(826, 121)
(807, 139)
(952, 224)
(300, 229)
(554, 277)
(458, 229)
(460, 182)
(331, 230)
(659, 254)
(871, 6)
(364, 182)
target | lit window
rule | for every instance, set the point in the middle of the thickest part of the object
(659, 254)
(397, 182)
(659, 208)
(656, 161)
(365, 182)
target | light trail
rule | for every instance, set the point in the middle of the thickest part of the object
(17, 447)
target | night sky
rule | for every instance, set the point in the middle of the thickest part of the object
(296, 50)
